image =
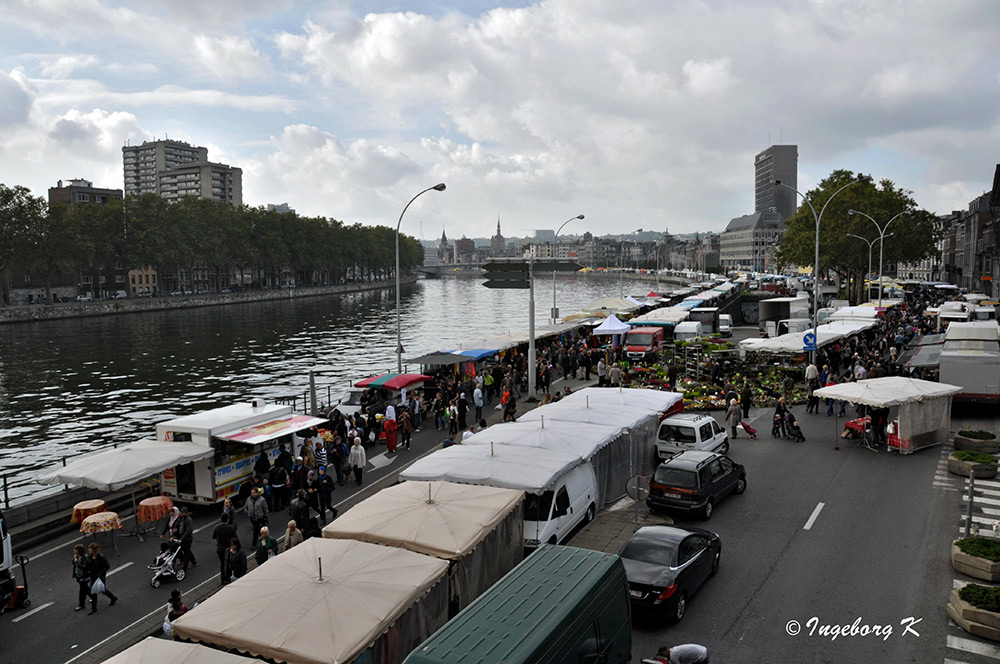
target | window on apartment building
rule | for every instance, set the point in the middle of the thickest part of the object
(147, 278)
(119, 278)
(87, 279)
(154, 278)
(82, 198)
(103, 279)
(133, 281)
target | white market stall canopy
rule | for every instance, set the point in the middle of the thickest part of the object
(888, 391)
(656, 400)
(612, 325)
(517, 337)
(583, 440)
(611, 304)
(114, 469)
(986, 330)
(160, 651)
(793, 341)
(854, 313)
(664, 315)
(283, 610)
(440, 519)
(502, 466)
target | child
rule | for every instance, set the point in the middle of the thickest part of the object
(776, 426)
(795, 432)
(165, 550)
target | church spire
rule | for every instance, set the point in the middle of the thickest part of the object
(498, 226)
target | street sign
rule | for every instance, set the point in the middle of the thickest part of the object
(506, 284)
(637, 487)
(506, 274)
(809, 341)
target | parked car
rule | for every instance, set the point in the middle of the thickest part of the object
(695, 482)
(85, 297)
(665, 566)
(690, 431)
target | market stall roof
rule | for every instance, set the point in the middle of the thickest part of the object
(583, 440)
(160, 651)
(974, 297)
(662, 315)
(494, 465)
(261, 433)
(926, 355)
(284, 612)
(655, 400)
(393, 381)
(117, 468)
(986, 330)
(589, 413)
(516, 337)
(612, 325)
(440, 519)
(854, 313)
(888, 391)
(437, 359)
(475, 353)
(634, 301)
(793, 342)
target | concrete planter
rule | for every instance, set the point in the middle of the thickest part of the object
(974, 566)
(991, 446)
(967, 468)
(974, 621)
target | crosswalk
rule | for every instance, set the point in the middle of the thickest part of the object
(962, 647)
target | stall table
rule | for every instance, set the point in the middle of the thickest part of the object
(102, 522)
(85, 508)
(150, 510)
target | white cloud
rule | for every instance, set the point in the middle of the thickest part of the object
(714, 77)
(16, 99)
(230, 57)
(63, 65)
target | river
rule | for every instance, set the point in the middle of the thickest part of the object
(69, 387)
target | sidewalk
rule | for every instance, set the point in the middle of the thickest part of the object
(609, 531)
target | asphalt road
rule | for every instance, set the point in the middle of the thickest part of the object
(875, 552)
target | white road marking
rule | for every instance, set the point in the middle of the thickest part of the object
(953, 661)
(118, 569)
(32, 612)
(975, 647)
(812, 519)
(205, 527)
(983, 492)
(55, 548)
(980, 499)
(993, 484)
(985, 510)
(380, 460)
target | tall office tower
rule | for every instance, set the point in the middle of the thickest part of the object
(778, 162)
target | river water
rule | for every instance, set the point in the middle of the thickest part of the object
(72, 386)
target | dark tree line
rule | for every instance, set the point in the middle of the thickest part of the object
(192, 233)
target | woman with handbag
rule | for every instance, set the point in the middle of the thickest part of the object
(81, 573)
(266, 546)
(98, 569)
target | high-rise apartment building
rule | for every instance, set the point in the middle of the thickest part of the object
(778, 162)
(173, 169)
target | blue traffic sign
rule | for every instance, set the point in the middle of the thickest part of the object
(809, 341)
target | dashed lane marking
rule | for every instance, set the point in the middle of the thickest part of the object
(975, 647)
(32, 612)
(118, 569)
(812, 518)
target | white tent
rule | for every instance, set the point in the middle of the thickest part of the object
(612, 325)
(584, 440)
(502, 466)
(478, 528)
(924, 406)
(116, 468)
(854, 313)
(793, 342)
(326, 601)
(634, 301)
(174, 652)
(657, 400)
(610, 303)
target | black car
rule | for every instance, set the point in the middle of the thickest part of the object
(694, 482)
(666, 565)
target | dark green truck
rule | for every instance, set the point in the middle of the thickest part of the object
(562, 605)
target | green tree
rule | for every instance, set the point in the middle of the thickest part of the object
(913, 239)
(20, 215)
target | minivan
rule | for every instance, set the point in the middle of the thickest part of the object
(561, 604)
(549, 517)
(690, 431)
(688, 330)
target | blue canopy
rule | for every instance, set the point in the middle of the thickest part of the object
(475, 354)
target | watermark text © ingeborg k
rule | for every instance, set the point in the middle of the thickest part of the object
(815, 627)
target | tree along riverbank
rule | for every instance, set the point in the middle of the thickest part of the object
(40, 312)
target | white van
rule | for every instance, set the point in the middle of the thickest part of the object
(551, 516)
(689, 329)
(690, 431)
(725, 325)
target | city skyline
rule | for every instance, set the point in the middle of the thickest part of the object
(634, 115)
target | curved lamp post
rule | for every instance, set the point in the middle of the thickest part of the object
(554, 240)
(399, 340)
(818, 218)
(870, 243)
(881, 246)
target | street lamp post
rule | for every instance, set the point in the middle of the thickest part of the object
(881, 246)
(818, 218)
(871, 243)
(621, 264)
(555, 238)
(399, 338)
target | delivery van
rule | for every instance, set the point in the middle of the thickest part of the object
(643, 344)
(561, 604)
(550, 516)
(725, 325)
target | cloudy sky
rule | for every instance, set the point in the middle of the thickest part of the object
(636, 113)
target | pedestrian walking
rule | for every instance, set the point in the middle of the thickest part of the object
(98, 568)
(81, 573)
(733, 417)
(299, 509)
(325, 493)
(746, 399)
(266, 547)
(405, 428)
(477, 401)
(223, 534)
(228, 508)
(236, 560)
(602, 373)
(357, 459)
(185, 535)
(293, 536)
(256, 509)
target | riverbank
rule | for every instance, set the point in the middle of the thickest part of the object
(39, 312)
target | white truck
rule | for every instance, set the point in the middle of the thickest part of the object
(971, 359)
(781, 308)
(688, 330)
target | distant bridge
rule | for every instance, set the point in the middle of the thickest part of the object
(451, 270)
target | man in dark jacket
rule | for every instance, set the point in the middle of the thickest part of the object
(256, 509)
(185, 535)
(223, 535)
(299, 509)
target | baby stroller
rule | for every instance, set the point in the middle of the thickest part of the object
(169, 564)
(749, 429)
(794, 432)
